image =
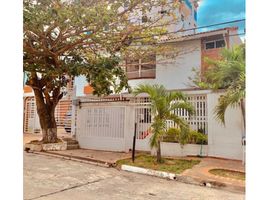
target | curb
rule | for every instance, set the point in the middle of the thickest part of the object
(181, 178)
(150, 172)
(107, 165)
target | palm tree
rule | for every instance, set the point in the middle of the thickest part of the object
(227, 73)
(163, 105)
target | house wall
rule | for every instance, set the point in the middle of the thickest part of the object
(174, 73)
(208, 53)
(224, 141)
(234, 40)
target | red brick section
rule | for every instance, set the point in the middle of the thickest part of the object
(213, 53)
(210, 53)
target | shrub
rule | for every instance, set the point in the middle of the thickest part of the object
(172, 135)
(194, 137)
(197, 138)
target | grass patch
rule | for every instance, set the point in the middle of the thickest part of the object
(228, 173)
(168, 165)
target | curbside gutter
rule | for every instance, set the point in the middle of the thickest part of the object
(181, 178)
(107, 165)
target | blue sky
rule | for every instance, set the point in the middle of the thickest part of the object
(217, 11)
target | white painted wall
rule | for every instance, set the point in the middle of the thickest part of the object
(174, 73)
(224, 141)
(80, 82)
(176, 150)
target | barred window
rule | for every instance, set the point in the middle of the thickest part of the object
(141, 68)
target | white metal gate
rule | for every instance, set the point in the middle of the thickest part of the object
(31, 119)
(143, 118)
(101, 127)
(31, 122)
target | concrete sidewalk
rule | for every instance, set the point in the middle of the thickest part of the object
(198, 174)
(105, 157)
(201, 172)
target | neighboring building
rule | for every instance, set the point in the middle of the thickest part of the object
(190, 52)
(62, 113)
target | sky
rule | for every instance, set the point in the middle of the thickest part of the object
(217, 11)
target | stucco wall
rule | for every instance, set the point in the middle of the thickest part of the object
(175, 149)
(224, 141)
(174, 73)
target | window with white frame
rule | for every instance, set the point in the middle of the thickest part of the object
(215, 44)
(141, 68)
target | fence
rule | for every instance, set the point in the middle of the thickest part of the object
(31, 120)
(99, 119)
(100, 122)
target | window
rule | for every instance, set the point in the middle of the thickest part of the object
(141, 68)
(215, 44)
(210, 45)
(220, 43)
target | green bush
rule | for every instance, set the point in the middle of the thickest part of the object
(174, 135)
(197, 138)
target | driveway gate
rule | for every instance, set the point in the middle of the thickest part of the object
(101, 127)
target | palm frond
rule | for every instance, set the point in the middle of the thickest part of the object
(173, 96)
(232, 99)
(182, 105)
(178, 121)
(158, 129)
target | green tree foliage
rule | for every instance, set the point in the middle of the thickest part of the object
(163, 105)
(227, 73)
(63, 39)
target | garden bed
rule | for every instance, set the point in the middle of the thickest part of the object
(228, 173)
(170, 165)
(37, 145)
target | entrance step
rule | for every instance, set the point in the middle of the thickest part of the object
(72, 146)
(71, 143)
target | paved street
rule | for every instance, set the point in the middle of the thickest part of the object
(49, 178)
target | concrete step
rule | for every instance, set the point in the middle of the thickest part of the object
(70, 142)
(72, 146)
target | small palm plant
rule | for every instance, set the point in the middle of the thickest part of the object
(163, 105)
(227, 73)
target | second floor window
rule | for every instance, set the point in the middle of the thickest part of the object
(141, 68)
(215, 44)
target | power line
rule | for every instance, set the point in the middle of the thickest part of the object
(169, 42)
(190, 29)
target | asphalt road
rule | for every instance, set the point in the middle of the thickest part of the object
(49, 178)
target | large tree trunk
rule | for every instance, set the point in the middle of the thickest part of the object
(158, 153)
(46, 113)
